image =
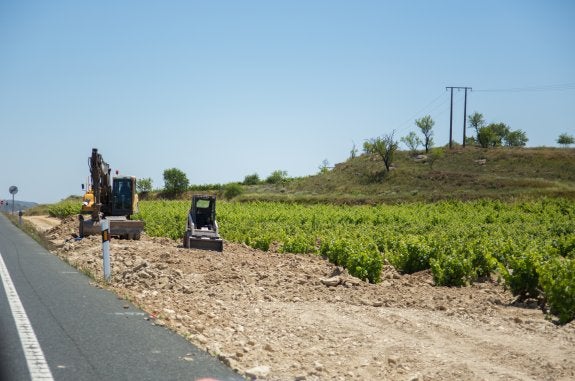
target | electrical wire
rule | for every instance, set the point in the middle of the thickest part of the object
(558, 87)
(411, 120)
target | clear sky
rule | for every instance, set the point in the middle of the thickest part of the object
(225, 89)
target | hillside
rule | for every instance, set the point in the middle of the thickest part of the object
(18, 205)
(461, 173)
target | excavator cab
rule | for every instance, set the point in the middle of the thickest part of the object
(202, 227)
(124, 196)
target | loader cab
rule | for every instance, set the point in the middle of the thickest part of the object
(203, 211)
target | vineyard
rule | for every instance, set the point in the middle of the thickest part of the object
(530, 245)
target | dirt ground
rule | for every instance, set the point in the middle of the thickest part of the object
(297, 317)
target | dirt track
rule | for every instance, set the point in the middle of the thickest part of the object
(297, 317)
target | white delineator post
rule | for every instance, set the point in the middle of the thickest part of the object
(106, 247)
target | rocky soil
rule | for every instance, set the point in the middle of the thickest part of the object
(297, 317)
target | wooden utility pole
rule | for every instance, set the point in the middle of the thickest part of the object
(451, 114)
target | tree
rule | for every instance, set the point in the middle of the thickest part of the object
(412, 141)
(476, 121)
(232, 190)
(175, 181)
(425, 124)
(436, 153)
(566, 140)
(384, 147)
(277, 177)
(353, 151)
(144, 185)
(486, 137)
(517, 138)
(252, 179)
(500, 132)
(324, 166)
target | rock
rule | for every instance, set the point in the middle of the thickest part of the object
(169, 311)
(260, 371)
(331, 282)
(139, 264)
(268, 348)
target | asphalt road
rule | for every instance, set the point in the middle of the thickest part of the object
(84, 333)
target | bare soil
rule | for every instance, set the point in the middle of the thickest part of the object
(297, 317)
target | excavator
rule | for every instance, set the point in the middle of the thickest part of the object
(112, 198)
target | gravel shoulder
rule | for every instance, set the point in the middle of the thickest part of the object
(297, 317)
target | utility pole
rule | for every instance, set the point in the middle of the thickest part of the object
(451, 113)
(450, 118)
(464, 117)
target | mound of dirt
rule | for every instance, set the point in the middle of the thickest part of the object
(297, 317)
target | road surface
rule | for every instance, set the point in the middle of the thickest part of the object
(55, 325)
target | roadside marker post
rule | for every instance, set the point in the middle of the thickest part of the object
(106, 248)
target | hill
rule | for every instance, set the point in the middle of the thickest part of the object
(18, 205)
(461, 173)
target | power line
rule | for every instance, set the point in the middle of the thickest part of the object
(542, 88)
(420, 111)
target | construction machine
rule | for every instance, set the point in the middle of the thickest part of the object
(202, 227)
(112, 198)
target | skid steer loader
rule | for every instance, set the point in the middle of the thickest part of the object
(202, 227)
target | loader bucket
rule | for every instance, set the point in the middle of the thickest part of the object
(119, 227)
(214, 244)
(206, 244)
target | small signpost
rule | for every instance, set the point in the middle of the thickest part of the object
(13, 190)
(106, 247)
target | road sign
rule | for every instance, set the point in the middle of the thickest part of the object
(13, 189)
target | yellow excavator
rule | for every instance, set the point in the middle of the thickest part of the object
(112, 198)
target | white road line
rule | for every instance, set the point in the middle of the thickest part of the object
(37, 364)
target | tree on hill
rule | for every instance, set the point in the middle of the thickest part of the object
(144, 185)
(353, 151)
(499, 134)
(175, 181)
(277, 177)
(566, 140)
(252, 179)
(426, 124)
(517, 138)
(384, 147)
(412, 141)
(476, 121)
(486, 137)
(324, 166)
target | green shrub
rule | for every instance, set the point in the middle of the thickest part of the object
(557, 279)
(451, 270)
(366, 262)
(232, 190)
(253, 179)
(337, 251)
(262, 242)
(521, 275)
(298, 244)
(363, 261)
(410, 254)
(565, 246)
(64, 209)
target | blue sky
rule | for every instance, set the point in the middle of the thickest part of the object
(224, 89)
